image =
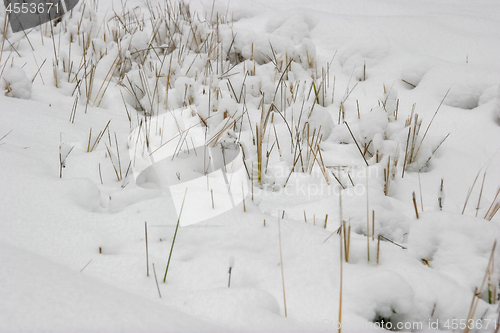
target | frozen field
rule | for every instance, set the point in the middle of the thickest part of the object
(294, 166)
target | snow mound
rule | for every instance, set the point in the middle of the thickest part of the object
(387, 296)
(15, 83)
(373, 123)
(62, 300)
(466, 84)
(455, 245)
(414, 71)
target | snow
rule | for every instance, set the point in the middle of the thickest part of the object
(56, 299)
(355, 107)
(15, 83)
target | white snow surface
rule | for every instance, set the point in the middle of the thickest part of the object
(72, 239)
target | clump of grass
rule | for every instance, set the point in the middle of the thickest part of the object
(390, 171)
(414, 141)
(91, 146)
(413, 123)
(390, 103)
(116, 162)
(478, 291)
(260, 131)
(146, 76)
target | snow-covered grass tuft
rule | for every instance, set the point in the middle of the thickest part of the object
(15, 83)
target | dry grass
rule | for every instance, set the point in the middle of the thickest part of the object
(478, 291)
(146, 79)
(281, 265)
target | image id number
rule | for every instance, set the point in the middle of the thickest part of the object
(32, 8)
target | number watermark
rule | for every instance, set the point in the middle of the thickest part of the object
(454, 325)
(27, 14)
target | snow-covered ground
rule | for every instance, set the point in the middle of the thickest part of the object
(281, 119)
